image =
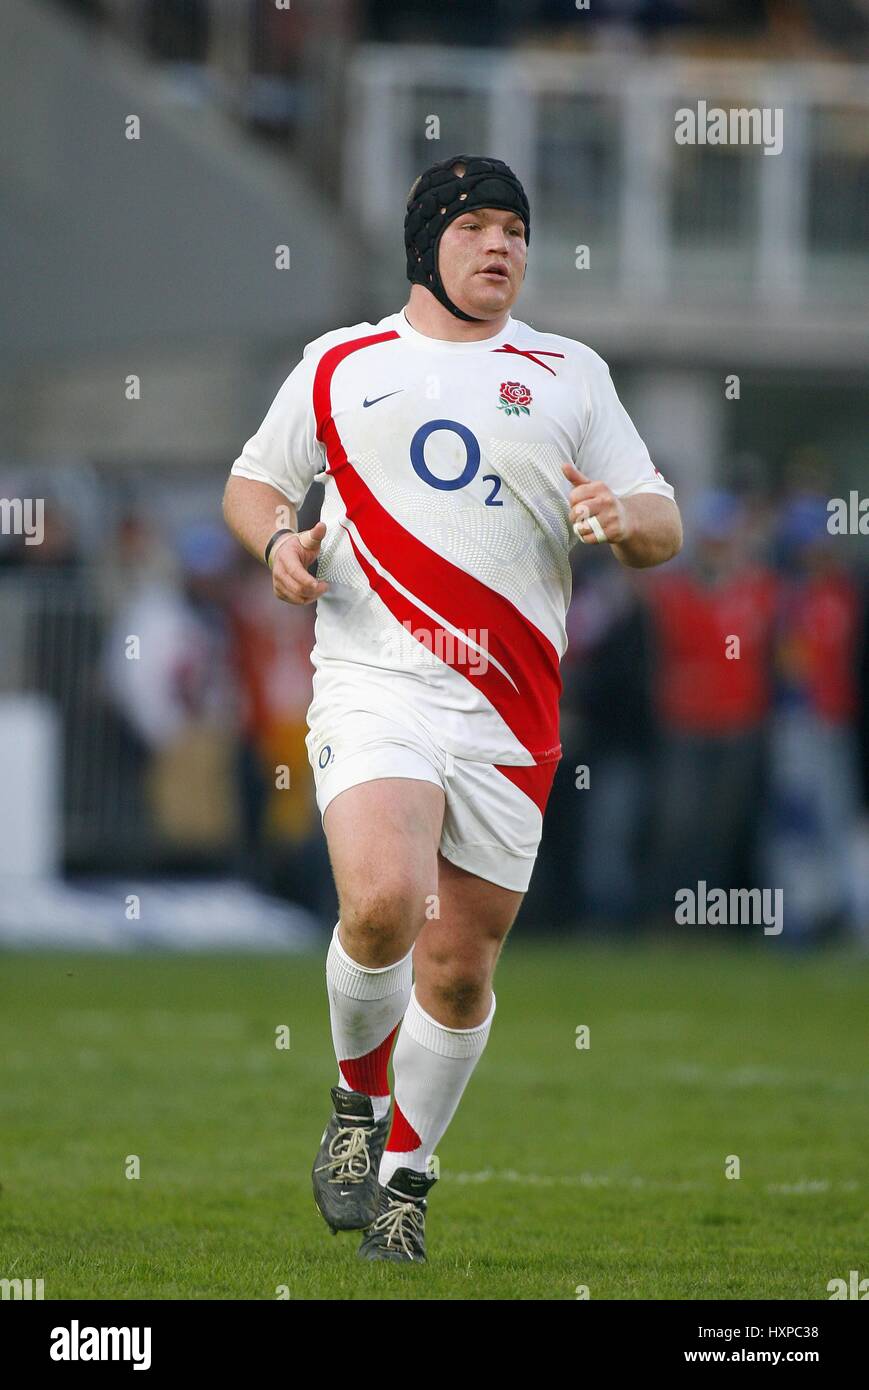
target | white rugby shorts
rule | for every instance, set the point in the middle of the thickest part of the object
(493, 818)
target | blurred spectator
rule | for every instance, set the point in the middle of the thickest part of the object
(814, 792)
(607, 685)
(61, 640)
(211, 705)
(271, 655)
(167, 673)
(713, 617)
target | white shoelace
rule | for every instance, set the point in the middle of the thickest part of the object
(392, 1222)
(348, 1155)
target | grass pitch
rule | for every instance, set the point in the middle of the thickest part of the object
(602, 1168)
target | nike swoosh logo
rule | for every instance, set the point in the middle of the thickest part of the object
(366, 402)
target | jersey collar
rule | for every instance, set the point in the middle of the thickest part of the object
(421, 340)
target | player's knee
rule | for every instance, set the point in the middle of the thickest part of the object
(382, 920)
(461, 993)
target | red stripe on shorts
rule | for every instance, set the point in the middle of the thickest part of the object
(535, 782)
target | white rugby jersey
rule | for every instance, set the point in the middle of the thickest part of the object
(447, 541)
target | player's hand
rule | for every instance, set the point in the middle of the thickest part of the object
(589, 499)
(293, 558)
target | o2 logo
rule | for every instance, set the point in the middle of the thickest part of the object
(326, 755)
(472, 460)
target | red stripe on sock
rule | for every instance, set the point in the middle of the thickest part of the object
(368, 1073)
(403, 1138)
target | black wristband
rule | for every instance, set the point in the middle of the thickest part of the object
(284, 531)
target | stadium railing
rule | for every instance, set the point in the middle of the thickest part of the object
(777, 241)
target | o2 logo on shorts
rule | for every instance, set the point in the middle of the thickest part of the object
(472, 460)
(326, 756)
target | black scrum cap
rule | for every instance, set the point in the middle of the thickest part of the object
(438, 196)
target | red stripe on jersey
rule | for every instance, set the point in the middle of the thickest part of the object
(529, 706)
(492, 684)
(368, 1072)
(403, 1138)
(535, 782)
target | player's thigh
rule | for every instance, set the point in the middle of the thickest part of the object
(492, 827)
(383, 837)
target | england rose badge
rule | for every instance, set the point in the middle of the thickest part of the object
(515, 398)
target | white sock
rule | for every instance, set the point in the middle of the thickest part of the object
(366, 1006)
(432, 1066)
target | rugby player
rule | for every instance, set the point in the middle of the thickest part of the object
(462, 453)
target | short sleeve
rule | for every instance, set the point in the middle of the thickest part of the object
(284, 451)
(611, 449)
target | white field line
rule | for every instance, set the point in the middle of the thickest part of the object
(739, 1078)
(805, 1187)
